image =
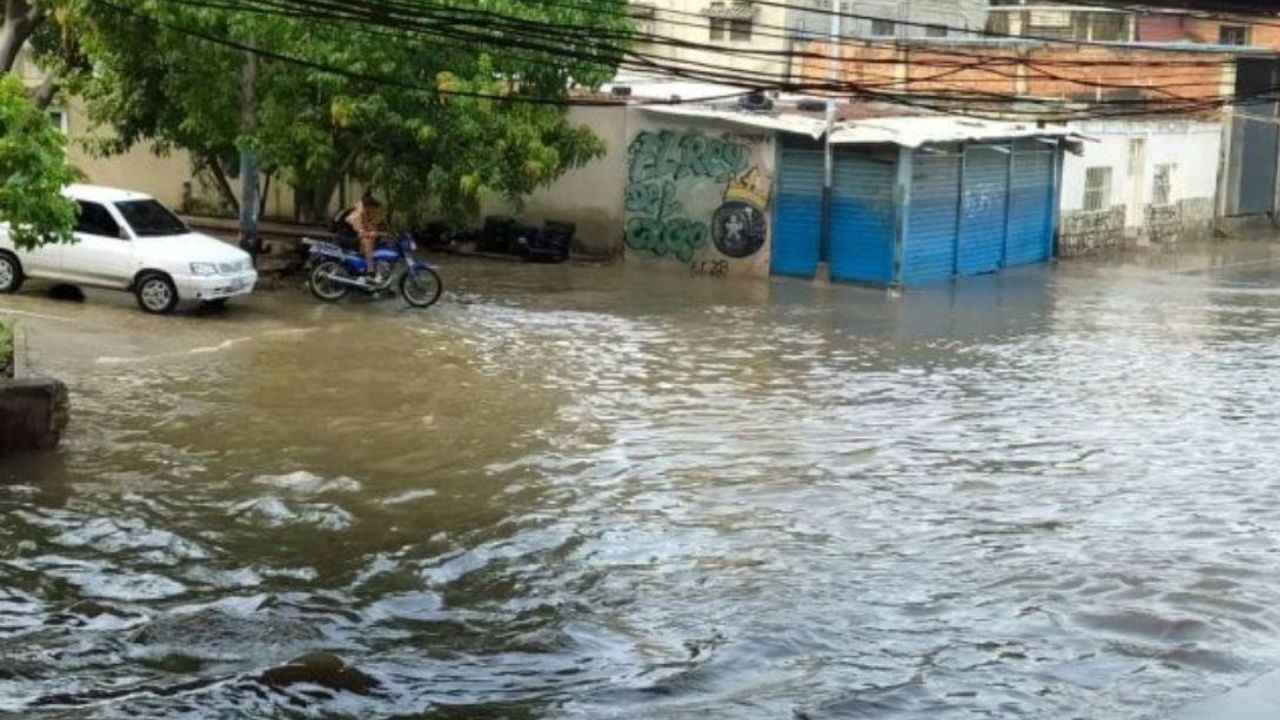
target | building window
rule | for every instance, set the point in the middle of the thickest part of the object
(1109, 27)
(935, 31)
(884, 28)
(1162, 185)
(59, 119)
(730, 21)
(1233, 35)
(1097, 189)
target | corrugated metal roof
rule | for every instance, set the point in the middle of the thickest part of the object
(776, 121)
(905, 131)
(912, 132)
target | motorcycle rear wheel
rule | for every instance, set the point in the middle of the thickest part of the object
(324, 288)
(422, 290)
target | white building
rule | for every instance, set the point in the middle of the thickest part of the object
(890, 19)
(728, 39)
(1145, 181)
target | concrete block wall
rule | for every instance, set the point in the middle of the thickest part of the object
(33, 410)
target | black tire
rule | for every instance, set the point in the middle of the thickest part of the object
(323, 289)
(155, 293)
(11, 276)
(421, 297)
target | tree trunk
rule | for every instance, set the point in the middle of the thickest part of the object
(224, 185)
(42, 96)
(21, 19)
(266, 190)
(248, 160)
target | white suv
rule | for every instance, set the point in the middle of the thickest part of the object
(128, 241)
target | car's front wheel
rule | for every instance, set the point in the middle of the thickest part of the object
(156, 293)
(10, 273)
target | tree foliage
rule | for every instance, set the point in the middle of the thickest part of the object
(404, 114)
(33, 171)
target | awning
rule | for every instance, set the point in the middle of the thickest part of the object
(913, 132)
(909, 131)
(778, 122)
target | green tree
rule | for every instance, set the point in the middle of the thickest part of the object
(416, 111)
(33, 171)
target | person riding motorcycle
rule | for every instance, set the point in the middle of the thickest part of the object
(364, 221)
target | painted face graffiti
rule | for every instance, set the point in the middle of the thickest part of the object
(738, 229)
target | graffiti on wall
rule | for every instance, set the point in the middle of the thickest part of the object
(666, 169)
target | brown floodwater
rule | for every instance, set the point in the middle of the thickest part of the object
(593, 493)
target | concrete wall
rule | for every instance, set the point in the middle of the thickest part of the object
(167, 177)
(677, 194)
(33, 410)
(1193, 148)
(590, 196)
(699, 197)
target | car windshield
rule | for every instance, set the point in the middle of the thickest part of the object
(149, 218)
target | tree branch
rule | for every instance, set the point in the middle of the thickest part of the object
(43, 94)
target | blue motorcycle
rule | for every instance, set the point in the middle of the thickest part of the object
(336, 272)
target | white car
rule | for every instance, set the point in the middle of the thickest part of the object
(129, 241)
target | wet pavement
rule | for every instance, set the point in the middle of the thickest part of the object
(590, 493)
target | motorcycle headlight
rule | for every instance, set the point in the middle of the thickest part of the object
(204, 269)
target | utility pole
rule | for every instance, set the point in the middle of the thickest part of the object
(248, 161)
(834, 71)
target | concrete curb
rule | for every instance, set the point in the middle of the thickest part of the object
(33, 410)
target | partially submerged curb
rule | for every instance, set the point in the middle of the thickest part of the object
(33, 410)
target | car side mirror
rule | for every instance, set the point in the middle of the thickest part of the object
(123, 234)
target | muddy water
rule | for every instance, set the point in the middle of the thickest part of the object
(584, 493)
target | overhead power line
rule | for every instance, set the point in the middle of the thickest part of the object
(519, 35)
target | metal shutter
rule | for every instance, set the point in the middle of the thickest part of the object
(1030, 234)
(797, 228)
(862, 217)
(929, 252)
(983, 210)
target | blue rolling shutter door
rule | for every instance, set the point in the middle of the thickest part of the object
(797, 227)
(929, 252)
(1030, 236)
(862, 217)
(983, 210)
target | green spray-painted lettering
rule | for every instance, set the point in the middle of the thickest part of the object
(661, 165)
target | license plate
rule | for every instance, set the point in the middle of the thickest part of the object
(239, 284)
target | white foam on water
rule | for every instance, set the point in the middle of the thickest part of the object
(275, 512)
(307, 483)
(410, 496)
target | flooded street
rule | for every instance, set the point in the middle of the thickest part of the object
(587, 493)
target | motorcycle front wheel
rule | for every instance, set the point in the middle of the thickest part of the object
(325, 288)
(422, 289)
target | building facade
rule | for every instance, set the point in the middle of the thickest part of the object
(1143, 182)
(729, 39)
(888, 19)
(1061, 21)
